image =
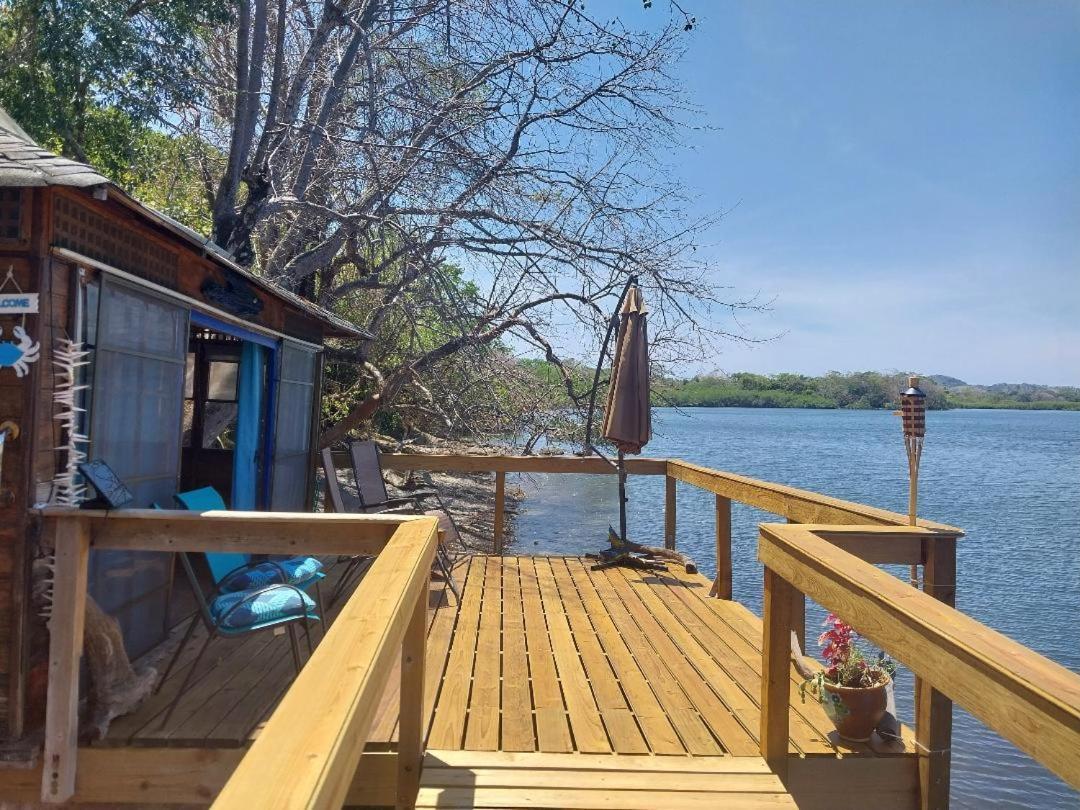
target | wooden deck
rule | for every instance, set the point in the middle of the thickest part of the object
(545, 656)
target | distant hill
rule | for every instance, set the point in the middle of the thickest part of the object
(945, 381)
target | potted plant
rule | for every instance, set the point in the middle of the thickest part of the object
(852, 688)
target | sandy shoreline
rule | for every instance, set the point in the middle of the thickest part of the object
(469, 497)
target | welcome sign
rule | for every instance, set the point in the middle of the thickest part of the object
(18, 303)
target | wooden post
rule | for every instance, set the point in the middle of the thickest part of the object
(72, 549)
(933, 711)
(722, 584)
(500, 510)
(776, 671)
(411, 710)
(798, 612)
(669, 513)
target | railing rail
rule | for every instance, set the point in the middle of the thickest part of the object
(322, 723)
(1025, 697)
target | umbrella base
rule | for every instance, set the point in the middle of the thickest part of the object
(635, 555)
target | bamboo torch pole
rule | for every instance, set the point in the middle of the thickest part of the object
(913, 415)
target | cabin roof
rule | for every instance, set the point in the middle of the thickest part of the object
(25, 164)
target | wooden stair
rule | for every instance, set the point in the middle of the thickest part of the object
(471, 779)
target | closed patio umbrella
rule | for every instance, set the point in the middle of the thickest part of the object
(628, 420)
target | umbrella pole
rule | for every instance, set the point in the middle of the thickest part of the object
(622, 495)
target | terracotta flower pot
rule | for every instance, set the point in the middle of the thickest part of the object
(855, 711)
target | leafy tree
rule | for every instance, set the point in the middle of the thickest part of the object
(86, 76)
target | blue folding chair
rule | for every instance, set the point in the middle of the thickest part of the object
(238, 613)
(241, 572)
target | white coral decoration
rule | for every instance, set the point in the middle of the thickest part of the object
(68, 358)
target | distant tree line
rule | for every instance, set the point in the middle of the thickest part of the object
(863, 390)
(860, 390)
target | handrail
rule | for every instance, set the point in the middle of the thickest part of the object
(1027, 698)
(799, 505)
(234, 531)
(358, 652)
(401, 462)
(309, 750)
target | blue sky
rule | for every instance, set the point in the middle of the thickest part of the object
(904, 178)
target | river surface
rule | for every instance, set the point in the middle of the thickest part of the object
(1011, 479)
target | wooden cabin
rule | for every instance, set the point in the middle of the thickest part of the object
(198, 373)
(540, 682)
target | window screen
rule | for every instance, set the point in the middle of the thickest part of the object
(292, 431)
(137, 410)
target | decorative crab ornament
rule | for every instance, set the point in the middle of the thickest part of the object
(19, 355)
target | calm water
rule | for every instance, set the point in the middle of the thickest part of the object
(1011, 479)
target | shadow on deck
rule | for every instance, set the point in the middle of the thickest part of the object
(546, 657)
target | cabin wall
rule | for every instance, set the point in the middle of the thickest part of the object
(26, 256)
(110, 232)
(32, 223)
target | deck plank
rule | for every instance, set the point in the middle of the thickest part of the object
(552, 727)
(569, 781)
(655, 725)
(743, 664)
(678, 706)
(448, 726)
(732, 735)
(482, 728)
(589, 733)
(517, 716)
(619, 720)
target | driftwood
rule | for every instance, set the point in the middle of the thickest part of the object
(115, 687)
(622, 551)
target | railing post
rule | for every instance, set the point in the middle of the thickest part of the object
(71, 546)
(933, 711)
(722, 584)
(411, 710)
(669, 512)
(776, 671)
(798, 612)
(500, 510)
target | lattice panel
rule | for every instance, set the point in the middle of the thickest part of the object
(10, 214)
(83, 230)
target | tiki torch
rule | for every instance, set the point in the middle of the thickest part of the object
(913, 416)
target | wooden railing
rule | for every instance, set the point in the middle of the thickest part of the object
(312, 745)
(873, 535)
(1028, 699)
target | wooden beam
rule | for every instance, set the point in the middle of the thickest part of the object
(1023, 696)
(500, 510)
(178, 776)
(402, 462)
(411, 712)
(722, 584)
(801, 505)
(72, 553)
(776, 670)
(933, 710)
(798, 613)
(247, 532)
(308, 752)
(669, 512)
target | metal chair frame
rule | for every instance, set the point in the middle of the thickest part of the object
(215, 630)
